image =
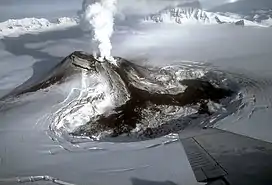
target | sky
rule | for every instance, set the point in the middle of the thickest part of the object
(12, 9)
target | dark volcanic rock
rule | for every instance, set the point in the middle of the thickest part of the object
(219, 21)
(240, 23)
(237, 23)
(125, 117)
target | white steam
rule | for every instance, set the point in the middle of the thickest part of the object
(98, 17)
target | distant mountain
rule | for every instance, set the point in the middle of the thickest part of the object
(259, 11)
(191, 15)
(17, 27)
(244, 7)
(259, 15)
(180, 15)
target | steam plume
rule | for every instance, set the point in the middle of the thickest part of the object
(98, 17)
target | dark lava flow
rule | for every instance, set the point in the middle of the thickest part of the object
(125, 117)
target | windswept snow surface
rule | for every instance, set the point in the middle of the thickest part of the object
(17, 27)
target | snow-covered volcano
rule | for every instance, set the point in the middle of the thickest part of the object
(131, 101)
(241, 55)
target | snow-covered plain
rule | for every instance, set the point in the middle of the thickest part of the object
(26, 149)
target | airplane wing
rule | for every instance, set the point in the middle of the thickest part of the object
(219, 157)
